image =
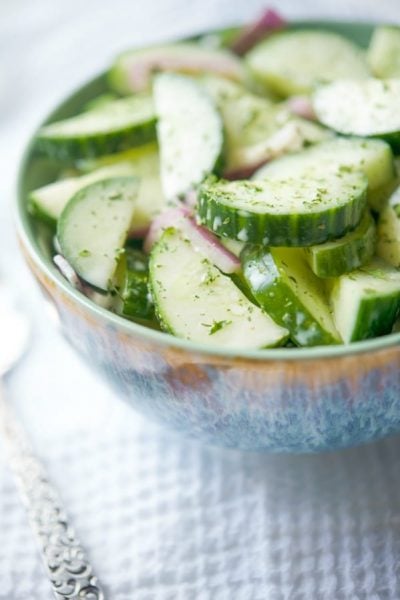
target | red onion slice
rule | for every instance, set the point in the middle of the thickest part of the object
(202, 239)
(266, 24)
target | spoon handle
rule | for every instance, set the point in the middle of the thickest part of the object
(68, 569)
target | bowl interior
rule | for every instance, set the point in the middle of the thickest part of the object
(36, 171)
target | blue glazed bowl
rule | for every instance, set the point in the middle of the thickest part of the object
(282, 400)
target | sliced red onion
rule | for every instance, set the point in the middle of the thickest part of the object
(245, 171)
(139, 233)
(139, 71)
(266, 24)
(191, 198)
(288, 138)
(104, 300)
(68, 272)
(202, 239)
(302, 107)
(168, 218)
(208, 244)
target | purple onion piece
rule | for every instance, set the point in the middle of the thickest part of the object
(68, 272)
(208, 244)
(190, 199)
(139, 233)
(244, 172)
(302, 107)
(202, 239)
(168, 218)
(266, 24)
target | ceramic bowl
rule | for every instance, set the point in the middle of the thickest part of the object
(282, 400)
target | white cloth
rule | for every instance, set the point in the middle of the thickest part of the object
(163, 518)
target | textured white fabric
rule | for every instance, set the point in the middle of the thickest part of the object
(162, 518)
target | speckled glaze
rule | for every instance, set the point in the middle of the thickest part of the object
(284, 400)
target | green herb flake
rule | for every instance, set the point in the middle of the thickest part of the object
(217, 326)
(84, 253)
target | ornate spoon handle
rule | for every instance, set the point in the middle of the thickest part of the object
(68, 569)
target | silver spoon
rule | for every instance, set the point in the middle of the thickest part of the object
(69, 572)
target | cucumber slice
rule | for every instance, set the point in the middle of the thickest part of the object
(366, 302)
(346, 253)
(367, 108)
(189, 133)
(145, 164)
(298, 211)
(285, 287)
(388, 246)
(384, 52)
(292, 62)
(49, 201)
(195, 301)
(117, 126)
(373, 157)
(132, 286)
(256, 129)
(93, 227)
(133, 71)
(99, 102)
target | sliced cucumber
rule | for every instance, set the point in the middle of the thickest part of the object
(384, 52)
(346, 253)
(99, 102)
(366, 302)
(292, 62)
(132, 286)
(234, 246)
(298, 211)
(93, 227)
(367, 108)
(373, 157)
(257, 130)
(389, 231)
(117, 126)
(189, 133)
(133, 71)
(285, 287)
(145, 164)
(49, 201)
(195, 301)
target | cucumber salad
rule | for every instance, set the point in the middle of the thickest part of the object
(238, 190)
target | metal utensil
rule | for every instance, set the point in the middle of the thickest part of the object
(70, 574)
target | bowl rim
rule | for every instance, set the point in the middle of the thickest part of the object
(28, 240)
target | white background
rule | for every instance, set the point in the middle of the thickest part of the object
(160, 517)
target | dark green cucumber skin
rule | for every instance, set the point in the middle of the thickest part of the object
(37, 213)
(339, 260)
(278, 229)
(273, 296)
(92, 146)
(134, 291)
(393, 139)
(372, 323)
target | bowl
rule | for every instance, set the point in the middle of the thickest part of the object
(281, 400)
